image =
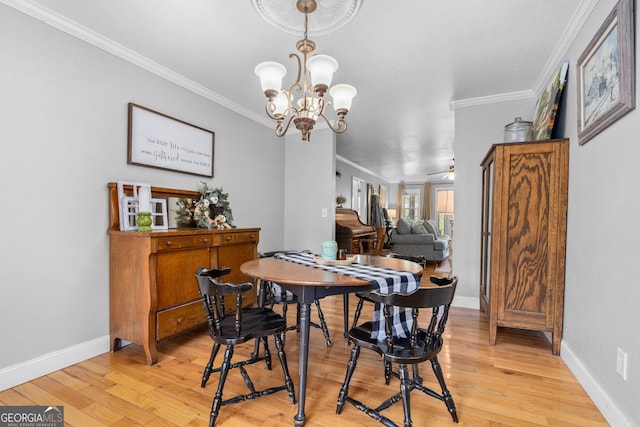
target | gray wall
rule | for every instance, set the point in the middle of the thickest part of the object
(309, 193)
(348, 171)
(477, 127)
(602, 243)
(63, 138)
(602, 239)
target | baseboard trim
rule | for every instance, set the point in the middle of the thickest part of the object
(466, 302)
(614, 415)
(14, 375)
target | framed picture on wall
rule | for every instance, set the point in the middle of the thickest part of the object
(606, 74)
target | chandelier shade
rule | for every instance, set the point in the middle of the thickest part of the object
(315, 74)
(342, 95)
(281, 102)
(271, 75)
(321, 69)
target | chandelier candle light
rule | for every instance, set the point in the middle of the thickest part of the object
(316, 72)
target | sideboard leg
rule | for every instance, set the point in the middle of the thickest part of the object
(151, 354)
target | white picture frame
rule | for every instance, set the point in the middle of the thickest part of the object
(129, 211)
(128, 208)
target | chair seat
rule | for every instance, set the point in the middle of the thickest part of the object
(257, 322)
(401, 351)
(364, 295)
(286, 298)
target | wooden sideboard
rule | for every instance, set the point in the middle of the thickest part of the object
(153, 291)
(524, 226)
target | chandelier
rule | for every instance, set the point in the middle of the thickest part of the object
(316, 72)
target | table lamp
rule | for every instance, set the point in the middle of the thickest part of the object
(391, 213)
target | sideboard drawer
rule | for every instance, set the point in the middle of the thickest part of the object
(231, 238)
(175, 320)
(180, 242)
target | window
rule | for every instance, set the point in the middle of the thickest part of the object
(411, 202)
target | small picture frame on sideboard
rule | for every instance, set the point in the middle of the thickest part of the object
(129, 207)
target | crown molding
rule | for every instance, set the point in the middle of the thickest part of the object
(357, 166)
(492, 99)
(559, 53)
(570, 33)
(74, 29)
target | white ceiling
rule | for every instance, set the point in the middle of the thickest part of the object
(408, 60)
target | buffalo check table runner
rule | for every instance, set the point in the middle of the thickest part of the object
(383, 280)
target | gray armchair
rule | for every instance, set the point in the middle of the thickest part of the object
(419, 238)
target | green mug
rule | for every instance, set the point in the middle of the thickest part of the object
(329, 249)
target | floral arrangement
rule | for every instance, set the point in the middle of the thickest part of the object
(184, 213)
(211, 211)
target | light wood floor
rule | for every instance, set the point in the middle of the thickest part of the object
(515, 383)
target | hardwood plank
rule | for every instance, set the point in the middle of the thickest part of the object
(517, 382)
(132, 414)
(11, 397)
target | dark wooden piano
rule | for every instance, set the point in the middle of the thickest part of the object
(349, 230)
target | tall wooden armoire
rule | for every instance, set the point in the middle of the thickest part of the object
(523, 241)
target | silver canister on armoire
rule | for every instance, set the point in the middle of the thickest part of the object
(517, 131)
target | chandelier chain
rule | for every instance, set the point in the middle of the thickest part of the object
(306, 21)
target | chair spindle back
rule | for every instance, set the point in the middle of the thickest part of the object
(437, 298)
(213, 290)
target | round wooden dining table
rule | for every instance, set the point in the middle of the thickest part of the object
(309, 284)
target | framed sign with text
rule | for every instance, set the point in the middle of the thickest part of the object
(160, 141)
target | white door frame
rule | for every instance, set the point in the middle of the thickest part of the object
(358, 196)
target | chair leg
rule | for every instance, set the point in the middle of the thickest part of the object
(356, 315)
(224, 370)
(323, 324)
(344, 390)
(448, 400)
(285, 307)
(256, 350)
(416, 374)
(267, 353)
(387, 372)
(406, 395)
(285, 368)
(209, 368)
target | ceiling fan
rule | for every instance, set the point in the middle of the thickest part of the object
(448, 174)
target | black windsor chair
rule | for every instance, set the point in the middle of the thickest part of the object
(230, 330)
(423, 344)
